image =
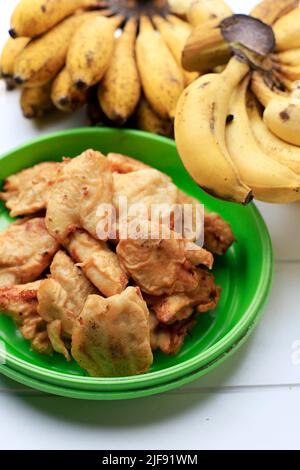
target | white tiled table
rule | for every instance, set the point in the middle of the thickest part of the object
(252, 401)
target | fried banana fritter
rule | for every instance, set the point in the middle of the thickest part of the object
(112, 336)
(76, 196)
(27, 192)
(99, 263)
(169, 339)
(20, 302)
(62, 296)
(26, 250)
(174, 308)
(163, 266)
(218, 236)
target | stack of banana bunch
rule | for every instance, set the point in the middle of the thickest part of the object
(238, 129)
(122, 57)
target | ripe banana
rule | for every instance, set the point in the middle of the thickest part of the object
(205, 48)
(200, 124)
(202, 11)
(36, 102)
(291, 57)
(148, 121)
(90, 50)
(34, 17)
(120, 90)
(286, 31)
(45, 56)
(270, 11)
(180, 7)
(11, 50)
(175, 36)
(65, 96)
(282, 117)
(262, 91)
(277, 149)
(178, 22)
(161, 77)
(269, 180)
(291, 72)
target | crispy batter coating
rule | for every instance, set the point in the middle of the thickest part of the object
(62, 296)
(26, 250)
(20, 302)
(218, 236)
(124, 164)
(174, 308)
(148, 186)
(54, 330)
(99, 263)
(169, 339)
(112, 336)
(162, 266)
(27, 192)
(81, 187)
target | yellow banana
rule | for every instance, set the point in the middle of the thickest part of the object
(148, 121)
(161, 77)
(282, 117)
(286, 31)
(269, 180)
(65, 95)
(277, 149)
(90, 50)
(291, 72)
(34, 17)
(178, 22)
(180, 7)
(200, 124)
(119, 91)
(205, 48)
(270, 11)
(45, 56)
(175, 36)
(291, 57)
(11, 50)
(36, 102)
(202, 11)
(262, 91)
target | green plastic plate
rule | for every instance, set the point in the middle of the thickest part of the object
(245, 274)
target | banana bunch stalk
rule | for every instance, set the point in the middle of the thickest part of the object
(123, 55)
(238, 129)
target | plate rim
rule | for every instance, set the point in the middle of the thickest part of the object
(251, 314)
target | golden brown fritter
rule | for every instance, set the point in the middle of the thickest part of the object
(54, 330)
(112, 336)
(20, 302)
(169, 339)
(81, 187)
(218, 236)
(124, 164)
(146, 187)
(26, 250)
(170, 309)
(62, 296)
(98, 262)
(162, 266)
(27, 192)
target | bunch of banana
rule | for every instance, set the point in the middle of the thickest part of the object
(127, 52)
(238, 130)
